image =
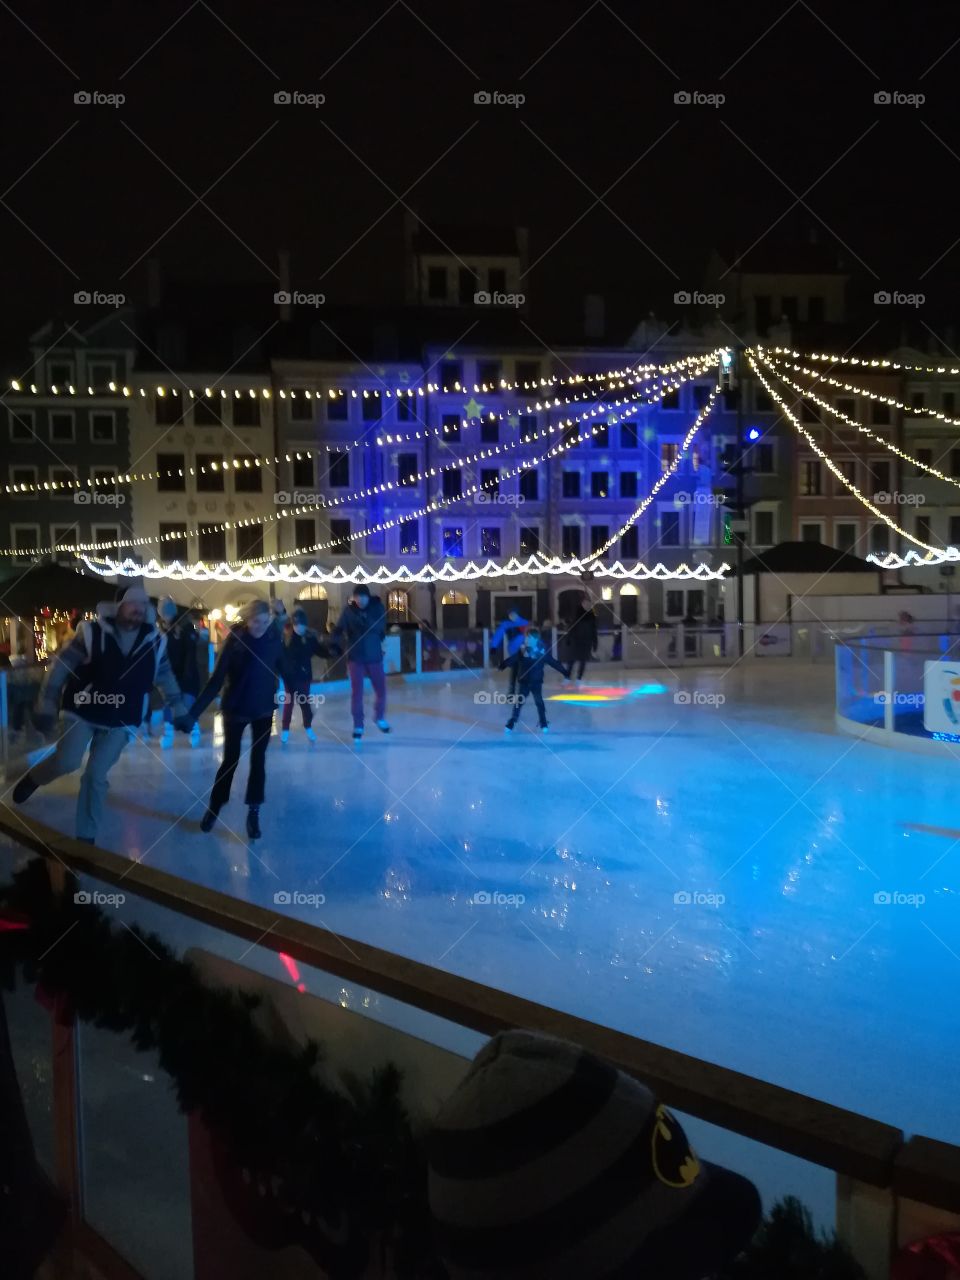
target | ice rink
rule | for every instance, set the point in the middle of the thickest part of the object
(697, 864)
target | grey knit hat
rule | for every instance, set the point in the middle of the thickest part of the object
(548, 1163)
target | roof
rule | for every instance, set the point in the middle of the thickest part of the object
(807, 557)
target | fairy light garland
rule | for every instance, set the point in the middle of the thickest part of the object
(271, 572)
(667, 475)
(869, 363)
(830, 463)
(893, 560)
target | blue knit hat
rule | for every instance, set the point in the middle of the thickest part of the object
(548, 1163)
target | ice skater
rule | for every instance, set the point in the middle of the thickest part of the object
(296, 669)
(104, 677)
(529, 662)
(247, 672)
(512, 630)
(582, 635)
(182, 649)
(360, 633)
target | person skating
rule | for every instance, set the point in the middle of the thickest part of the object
(360, 632)
(296, 670)
(582, 635)
(182, 650)
(104, 677)
(512, 630)
(246, 671)
(529, 663)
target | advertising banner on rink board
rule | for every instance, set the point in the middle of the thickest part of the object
(772, 641)
(941, 697)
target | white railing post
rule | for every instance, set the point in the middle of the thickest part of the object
(888, 691)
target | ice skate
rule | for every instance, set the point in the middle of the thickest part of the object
(311, 736)
(383, 726)
(285, 736)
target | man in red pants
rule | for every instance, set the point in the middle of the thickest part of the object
(360, 633)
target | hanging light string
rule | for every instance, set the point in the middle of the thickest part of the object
(143, 390)
(801, 430)
(868, 363)
(913, 559)
(387, 439)
(851, 422)
(438, 504)
(635, 400)
(670, 472)
(872, 395)
(270, 572)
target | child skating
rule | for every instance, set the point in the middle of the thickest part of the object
(528, 663)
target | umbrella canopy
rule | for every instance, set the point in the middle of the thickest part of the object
(807, 557)
(26, 589)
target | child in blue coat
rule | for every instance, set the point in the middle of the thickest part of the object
(528, 665)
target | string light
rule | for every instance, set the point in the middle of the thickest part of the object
(448, 573)
(869, 363)
(912, 559)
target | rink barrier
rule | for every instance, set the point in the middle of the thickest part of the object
(889, 1189)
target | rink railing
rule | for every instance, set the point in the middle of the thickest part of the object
(889, 1189)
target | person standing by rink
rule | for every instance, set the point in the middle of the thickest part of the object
(582, 635)
(182, 650)
(528, 663)
(296, 670)
(246, 671)
(360, 633)
(105, 677)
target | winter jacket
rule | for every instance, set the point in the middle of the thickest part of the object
(246, 671)
(99, 683)
(512, 631)
(530, 667)
(296, 666)
(183, 645)
(582, 632)
(360, 632)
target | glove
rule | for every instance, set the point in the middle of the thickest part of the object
(43, 721)
(183, 723)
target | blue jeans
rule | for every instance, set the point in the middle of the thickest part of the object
(188, 700)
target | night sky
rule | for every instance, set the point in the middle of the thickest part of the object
(624, 191)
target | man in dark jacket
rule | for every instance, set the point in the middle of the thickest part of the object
(105, 677)
(183, 651)
(360, 634)
(529, 663)
(582, 635)
(296, 670)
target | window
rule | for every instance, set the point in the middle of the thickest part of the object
(24, 475)
(62, 428)
(170, 469)
(210, 479)
(489, 373)
(490, 542)
(105, 478)
(880, 475)
(673, 605)
(948, 402)
(808, 412)
(453, 483)
(879, 539)
(338, 469)
(406, 469)
(247, 478)
(880, 413)
(497, 280)
(846, 538)
(66, 477)
(918, 400)
(250, 542)
(571, 484)
(452, 540)
(763, 401)
(925, 456)
(955, 463)
(529, 485)
(602, 438)
(451, 427)
(731, 397)
(847, 405)
(404, 409)
(21, 424)
(338, 409)
(570, 437)
(788, 307)
(527, 424)
(671, 400)
(628, 484)
(570, 541)
(811, 482)
(848, 468)
(167, 410)
(437, 283)
(629, 435)
(529, 540)
(670, 528)
(451, 375)
(64, 535)
(304, 532)
(955, 531)
(763, 308)
(922, 530)
(212, 546)
(207, 411)
(600, 484)
(701, 394)
(815, 310)
(669, 452)
(490, 431)
(372, 407)
(103, 427)
(528, 371)
(302, 474)
(467, 286)
(630, 543)
(490, 480)
(61, 373)
(174, 544)
(763, 528)
(409, 537)
(100, 373)
(26, 537)
(761, 459)
(246, 411)
(301, 409)
(599, 534)
(811, 531)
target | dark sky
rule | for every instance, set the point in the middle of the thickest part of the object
(399, 80)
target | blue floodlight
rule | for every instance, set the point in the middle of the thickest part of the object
(753, 433)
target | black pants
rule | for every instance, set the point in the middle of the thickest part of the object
(525, 691)
(257, 777)
(580, 659)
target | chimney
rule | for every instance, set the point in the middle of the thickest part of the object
(283, 281)
(594, 318)
(154, 284)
